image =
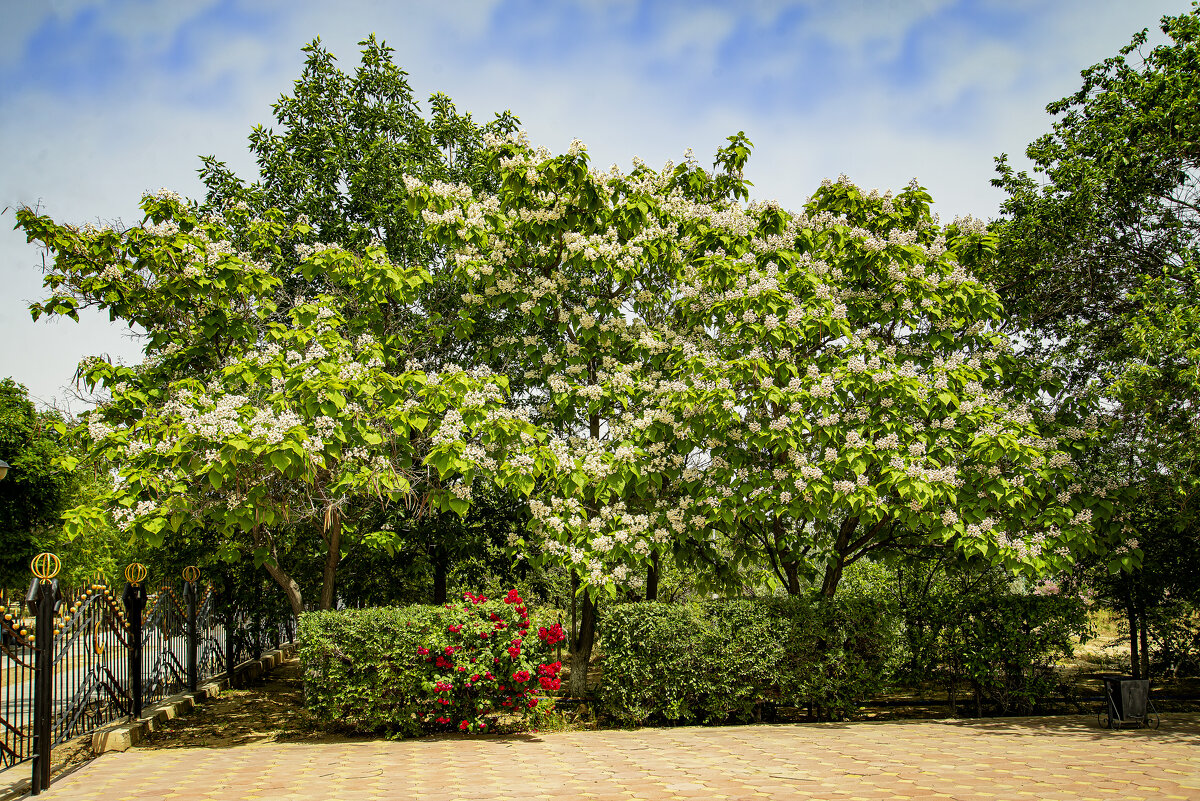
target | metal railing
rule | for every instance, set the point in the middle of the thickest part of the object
(71, 663)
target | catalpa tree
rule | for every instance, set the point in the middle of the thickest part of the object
(806, 387)
(581, 267)
(256, 410)
(851, 389)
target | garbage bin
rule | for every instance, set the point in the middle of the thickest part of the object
(1127, 700)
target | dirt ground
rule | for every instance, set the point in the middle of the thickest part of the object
(269, 710)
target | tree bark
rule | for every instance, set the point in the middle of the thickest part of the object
(1144, 634)
(652, 578)
(833, 571)
(1135, 664)
(581, 648)
(439, 576)
(333, 555)
(290, 588)
(792, 571)
(289, 585)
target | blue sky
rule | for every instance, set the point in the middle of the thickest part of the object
(102, 100)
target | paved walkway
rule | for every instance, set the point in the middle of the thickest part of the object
(1021, 758)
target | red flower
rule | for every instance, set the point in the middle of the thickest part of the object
(454, 628)
(483, 634)
(443, 720)
(464, 726)
(521, 675)
(422, 651)
(514, 651)
(533, 702)
(512, 597)
(552, 635)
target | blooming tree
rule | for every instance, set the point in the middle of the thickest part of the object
(848, 384)
(256, 409)
(581, 266)
(808, 386)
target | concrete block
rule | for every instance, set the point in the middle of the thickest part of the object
(118, 739)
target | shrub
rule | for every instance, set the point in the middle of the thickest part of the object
(1005, 645)
(725, 661)
(424, 668)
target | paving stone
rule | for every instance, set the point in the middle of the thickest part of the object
(1016, 758)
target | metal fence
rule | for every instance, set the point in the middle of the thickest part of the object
(72, 662)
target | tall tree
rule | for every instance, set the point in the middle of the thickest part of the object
(703, 368)
(1098, 253)
(212, 283)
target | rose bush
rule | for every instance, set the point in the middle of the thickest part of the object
(418, 669)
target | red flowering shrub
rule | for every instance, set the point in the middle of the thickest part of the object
(460, 690)
(414, 669)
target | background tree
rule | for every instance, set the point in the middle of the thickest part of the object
(37, 488)
(1097, 256)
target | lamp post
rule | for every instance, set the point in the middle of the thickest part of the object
(3, 469)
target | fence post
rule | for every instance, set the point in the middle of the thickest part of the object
(42, 599)
(134, 598)
(191, 598)
(230, 635)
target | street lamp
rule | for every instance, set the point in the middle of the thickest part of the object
(3, 468)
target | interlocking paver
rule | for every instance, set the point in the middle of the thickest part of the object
(997, 759)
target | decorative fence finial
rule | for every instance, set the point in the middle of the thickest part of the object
(136, 573)
(191, 574)
(45, 566)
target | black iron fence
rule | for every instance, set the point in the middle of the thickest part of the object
(73, 661)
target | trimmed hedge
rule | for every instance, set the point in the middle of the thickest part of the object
(727, 661)
(415, 669)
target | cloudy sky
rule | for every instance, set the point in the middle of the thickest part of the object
(100, 101)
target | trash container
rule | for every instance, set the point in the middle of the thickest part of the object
(1127, 700)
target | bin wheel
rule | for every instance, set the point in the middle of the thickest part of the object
(1152, 719)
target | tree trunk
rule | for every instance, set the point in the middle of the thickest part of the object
(652, 578)
(1135, 664)
(289, 585)
(1144, 634)
(333, 555)
(792, 571)
(439, 576)
(581, 648)
(290, 588)
(833, 571)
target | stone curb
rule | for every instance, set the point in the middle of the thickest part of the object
(121, 736)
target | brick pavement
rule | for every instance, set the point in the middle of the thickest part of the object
(1014, 758)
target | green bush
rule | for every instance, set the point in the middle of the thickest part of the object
(1005, 647)
(727, 661)
(405, 670)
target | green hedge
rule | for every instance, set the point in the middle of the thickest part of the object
(724, 661)
(358, 666)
